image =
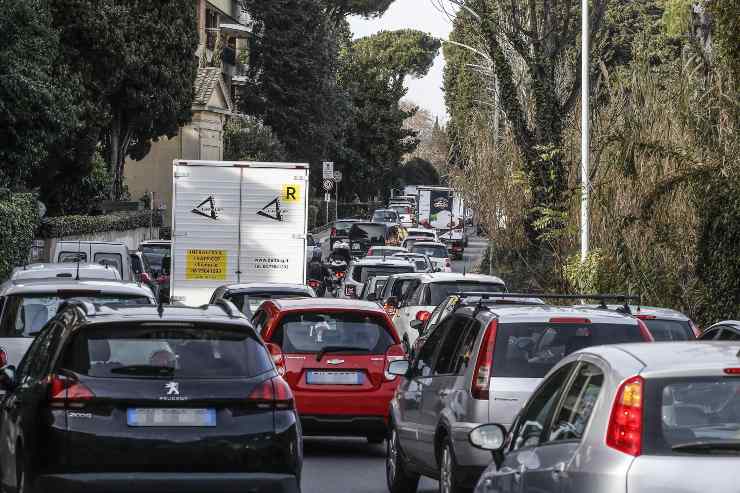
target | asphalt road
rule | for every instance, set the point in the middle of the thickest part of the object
(347, 465)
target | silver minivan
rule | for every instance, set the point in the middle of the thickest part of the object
(478, 365)
(637, 418)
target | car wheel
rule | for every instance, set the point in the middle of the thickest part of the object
(399, 479)
(448, 477)
(22, 472)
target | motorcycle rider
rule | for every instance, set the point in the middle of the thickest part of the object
(318, 271)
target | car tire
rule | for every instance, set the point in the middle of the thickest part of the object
(398, 478)
(23, 478)
(449, 482)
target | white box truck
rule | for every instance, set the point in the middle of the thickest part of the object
(236, 222)
(440, 208)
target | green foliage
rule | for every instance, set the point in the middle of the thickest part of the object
(35, 99)
(677, 16)
(373, 73)
(246, 139)
(70, 193)
(365, 8)
(584, 276)
(63, 226)
(136, 61)
(19, 218)
(419, 172)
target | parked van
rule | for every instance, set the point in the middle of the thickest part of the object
(112, 254)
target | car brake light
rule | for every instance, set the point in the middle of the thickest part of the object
(625, 425)
(646, 317)
(3, 358)
(333, 232)
(277, 357)
(483, 365)
(314, 283)
(67, 390)
(645, 332)
(569, 320)
(394, 353)
(695, 329)
(274, 393)
(732, 371)
(423, 316)
(145, 278)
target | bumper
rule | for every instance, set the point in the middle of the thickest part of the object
(168, 483)
(360, 426)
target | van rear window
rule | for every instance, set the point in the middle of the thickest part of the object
(130, 351)
(373, 233)
(530, 350)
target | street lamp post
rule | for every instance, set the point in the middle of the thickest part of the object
(584, 129)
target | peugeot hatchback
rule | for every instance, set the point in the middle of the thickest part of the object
(334, 354)
(116, 399)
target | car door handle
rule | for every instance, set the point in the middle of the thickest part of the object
(558, 471)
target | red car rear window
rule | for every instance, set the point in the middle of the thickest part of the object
(310, 332)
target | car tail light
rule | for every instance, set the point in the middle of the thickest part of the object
(67, 390)
(314, 283)
(339, 274)
(423, 316)
(394, 353)
(277, 357)
(695, 329)
(645, 332)
(625, 425)
(274, 393)
(3, 358)
(569, 320)
(333, 232)
(646, 317)
(732, 371)
(483, 365)
(145, 278)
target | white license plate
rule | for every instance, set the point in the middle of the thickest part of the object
(356, 246)
(334, 378)
(171, 417)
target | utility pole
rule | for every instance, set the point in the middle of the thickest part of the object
(584, 129)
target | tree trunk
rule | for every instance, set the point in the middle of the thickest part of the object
(115, 152)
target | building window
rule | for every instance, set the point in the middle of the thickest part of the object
(212, 28)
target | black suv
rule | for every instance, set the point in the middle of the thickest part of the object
(118, 398)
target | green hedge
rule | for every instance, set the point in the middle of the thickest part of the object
(62, 226)
(19, 218)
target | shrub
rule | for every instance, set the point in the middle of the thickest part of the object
(58, 227)
(19, 218)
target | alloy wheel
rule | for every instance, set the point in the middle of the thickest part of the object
(391, 462)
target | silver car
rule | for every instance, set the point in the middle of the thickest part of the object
(637, 418)
(360, 271)
(480, 364)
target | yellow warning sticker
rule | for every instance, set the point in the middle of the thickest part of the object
(291, 193)
(205, 265)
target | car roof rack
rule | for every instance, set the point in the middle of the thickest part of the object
(488, 298)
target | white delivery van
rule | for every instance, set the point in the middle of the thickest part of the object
(236, 222)
(440, 208)
(112, 254)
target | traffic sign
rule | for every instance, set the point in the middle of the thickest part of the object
(328, 185)
(338, 176)
(327, 198)
(328, 170)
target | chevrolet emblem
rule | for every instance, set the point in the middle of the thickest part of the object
(335, 361)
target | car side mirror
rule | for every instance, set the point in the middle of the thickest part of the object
(372, 297)
(399, 367)
(7, 378)
(488, 437)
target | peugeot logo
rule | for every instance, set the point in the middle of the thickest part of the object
(172, 388)
(335, 361)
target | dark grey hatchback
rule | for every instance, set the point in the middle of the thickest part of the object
(118, 399)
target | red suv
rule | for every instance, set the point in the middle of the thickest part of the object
(334, 353)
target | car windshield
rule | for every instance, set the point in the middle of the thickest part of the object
(373, 233)
(401, 209)
(530, 350)
(255, 300)
(434, 251)
(29, 313)
(126, 351)
(695, 415)
(670, 330)
(441, 290)
(362, 273)
(312, 332)
(385, 216)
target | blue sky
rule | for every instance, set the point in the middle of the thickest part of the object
(424, 16)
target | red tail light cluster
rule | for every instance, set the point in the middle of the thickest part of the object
(3, 358)
(394, 353)
(67, 390)
(625, 426)
(483, 365)
(272, 394)
(423, 316)
(145, 278)
(277, 357)
(314, 283)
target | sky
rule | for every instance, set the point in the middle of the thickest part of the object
(424, 16)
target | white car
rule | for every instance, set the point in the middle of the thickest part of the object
(437, 253)
(429, 234)
(432, 289)
(385, 251)
(405, 213)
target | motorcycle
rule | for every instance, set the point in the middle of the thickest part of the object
(318, 286)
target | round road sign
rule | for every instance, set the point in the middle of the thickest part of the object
(328, 185)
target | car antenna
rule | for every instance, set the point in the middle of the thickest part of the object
(79, 252)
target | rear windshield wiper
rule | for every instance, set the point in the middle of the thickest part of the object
(147, 370)
(339, 349)
(732, 446)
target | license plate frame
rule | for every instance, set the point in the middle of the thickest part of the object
(319, 377)
(171, 417)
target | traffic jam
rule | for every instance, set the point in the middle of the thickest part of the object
(202, 363)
